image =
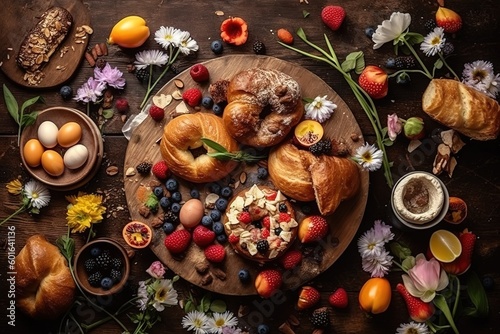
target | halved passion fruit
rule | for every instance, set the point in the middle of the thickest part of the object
(137, 234)
(308, 132)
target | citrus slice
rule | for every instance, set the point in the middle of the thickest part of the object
(445, 246)
(137, 234)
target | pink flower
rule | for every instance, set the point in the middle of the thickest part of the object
(425, 278)
(156, 269)
(393, 126)
(110, 76)
(90, 91)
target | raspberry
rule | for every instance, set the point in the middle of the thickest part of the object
(245, 217)
(233, 238)
(192, 97)
(259, 48)
(199, 73)
(142, 75)
(156, 113)
(266, 222)
(265, 233)
(144, 168)
(160, 170)
(324, 146)
(215, 253)
(284, 217)
(121, 104)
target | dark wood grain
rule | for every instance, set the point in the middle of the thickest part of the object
(476, 178)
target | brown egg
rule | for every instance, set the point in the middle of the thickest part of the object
(69, 134)
(32, 152)
(191, 213)
(52, 163)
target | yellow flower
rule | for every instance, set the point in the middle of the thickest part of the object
(84, 211)
(14, 187)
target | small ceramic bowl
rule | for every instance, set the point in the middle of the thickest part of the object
(91, 139)
(116, 251)
(439, 216)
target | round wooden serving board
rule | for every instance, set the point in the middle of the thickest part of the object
(23, 16)
(144, 146)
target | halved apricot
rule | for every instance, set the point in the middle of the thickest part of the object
(308, 132)
(457, 211)
(137, 234)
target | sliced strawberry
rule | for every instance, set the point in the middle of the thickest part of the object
(308, 297)
(312, 228)
(267, 282)
(374, 81)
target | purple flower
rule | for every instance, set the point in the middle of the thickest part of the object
(156, 269)
(90, 91)
(110, 76)
(393, 126)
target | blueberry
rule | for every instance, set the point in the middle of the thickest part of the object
(390, 63)
(218, 228)
(216, 47)
(168, 228)
(194, 193)
(107, 283)
(226, 192)
(488, 282)
(172, 184)
(244, 275)
(164, 203)
(222, 238)
(261, 173)
(158, 191)
(257, 224)
(95, 251)
(263, 329)
(176, 197)
(221, 204)
(218, 109)
(369, 31)
(214, 187)
(215, 215)
(278, 230)
(66, 92)
(207, 221)
(207, 102)
(176, 207)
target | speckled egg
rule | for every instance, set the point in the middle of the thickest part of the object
(52, 163)
(47, 134)
(32, 152)
(191, 213)
(69, 134)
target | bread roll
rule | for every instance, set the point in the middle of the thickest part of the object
(185, 153)
(302, 176)
(462, 108)
(44, 286)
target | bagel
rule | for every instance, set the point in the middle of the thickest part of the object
(186, 155)
(263, 106)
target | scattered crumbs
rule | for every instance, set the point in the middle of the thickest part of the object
(8, 56)
(219, 13)
(1, 63)
(10, 49)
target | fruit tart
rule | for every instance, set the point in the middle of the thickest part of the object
(260, 223)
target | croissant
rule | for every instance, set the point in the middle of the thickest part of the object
(44, 286)
(462, 108)
(186, 155)
(304, 177)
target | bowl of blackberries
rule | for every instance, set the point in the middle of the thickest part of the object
(102, 267)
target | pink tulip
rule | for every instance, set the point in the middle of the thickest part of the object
(393, 126)
(156, 269)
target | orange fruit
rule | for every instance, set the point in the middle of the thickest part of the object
(445, 246)
(137, 234)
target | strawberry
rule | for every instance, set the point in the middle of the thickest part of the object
(463, 262)
(199, 73)
(156, 113)
(449, 20)
(203, 236)
(160, 170)
(308, 297)
(121, 104)
(233, 238)
(374, 81)
(291, 259)
(284, 217)
(215, 253)
(418, 310)
(192, 96)
(267, 282)
(312, 228)
(333, 16)
(266, 222)
(285, 36)
(270, 195)
(339, 298)
(245, 217)
(178, 241)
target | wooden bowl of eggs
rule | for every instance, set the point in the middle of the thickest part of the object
(62, 149)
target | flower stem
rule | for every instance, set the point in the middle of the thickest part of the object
(98, 323)
(441, 303)
(18, 211)
(447, 66)
(395, 74)
(457, 297)
(412, 50)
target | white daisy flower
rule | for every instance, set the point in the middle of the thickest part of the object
(150, 57)
(370, 244)
(165, 294)
(377, 266)
(37, 193)
(480, 76)
(433, 42)
(320, 109)
(391, 29)
(166, 36)
(369, 157)
(187, 44)
(196, 321)
(494, 88)
(220, 320)
(413, 328)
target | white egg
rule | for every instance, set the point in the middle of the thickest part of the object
(47, 134)
(76, 156)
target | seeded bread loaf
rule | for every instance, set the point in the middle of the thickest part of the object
(44, 38)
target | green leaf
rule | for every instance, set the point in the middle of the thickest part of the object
(301, 34)
(477, 295)
(214, 145)
(28, 103)
(307, 99)
(438, 64)
(414, 38)
(441, 304)
(189, 306)
(107, 113)
(360, 65)
(399, 250)
(66, 246)
(354, 55)
(11, 103)
(29, 119)
(348, 65)
(204, 304)
(305, 13)
(220, 156)
(218, 306)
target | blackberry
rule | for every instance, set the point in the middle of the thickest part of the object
(144, 168)
(448, 48)
(282, 207)
(116, 263)
(430, 24)
(176, 68)
(95, 279)
(324, 146)
(403, 62)
(142, 75)
(171, 217)
(262, 246)
(90, 265)
(103, 260)
(259, 48)
(320, 318)
(115, 275)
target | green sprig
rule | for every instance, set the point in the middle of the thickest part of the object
(221, 153)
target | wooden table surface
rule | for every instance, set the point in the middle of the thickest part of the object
(475, 178)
